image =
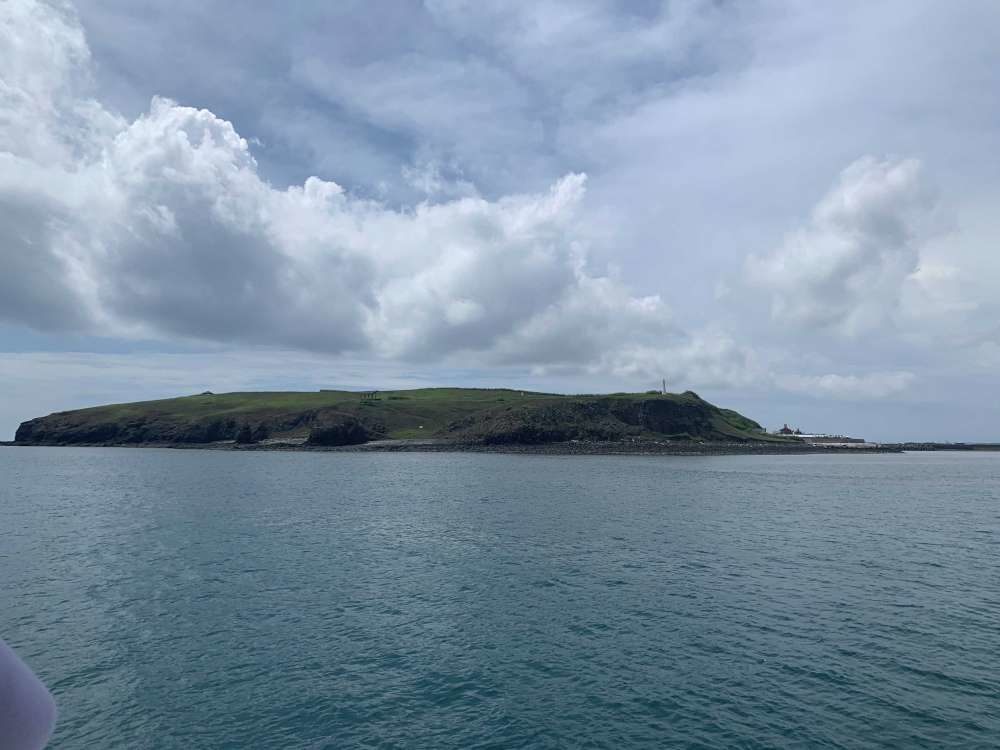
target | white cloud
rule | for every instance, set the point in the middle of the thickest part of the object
(163, 227)
(845, 271)
(45, 64)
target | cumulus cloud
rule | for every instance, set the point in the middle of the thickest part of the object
(163, 227)
(845, 271)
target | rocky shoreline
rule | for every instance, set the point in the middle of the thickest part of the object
(615, 448)
(565, 448)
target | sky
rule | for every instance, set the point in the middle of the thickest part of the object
(788, 207)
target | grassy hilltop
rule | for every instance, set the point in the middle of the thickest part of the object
(490, 416)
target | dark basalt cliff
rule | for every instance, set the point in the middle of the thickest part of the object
(65, 429)
(343, 431)
(324, 427)
(597, 418)
(335, 418)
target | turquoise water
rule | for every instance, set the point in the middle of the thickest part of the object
(194, 599)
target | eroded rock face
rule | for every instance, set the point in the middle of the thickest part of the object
(25, 432)
(668, 417)
(73, 428)
(244, 435)
(41, 431)
(347, 431)
(592, 419)
(538, 424)
(248, 434)
(58, 430)
(207, 432)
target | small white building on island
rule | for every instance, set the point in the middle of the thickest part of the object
(816, 438)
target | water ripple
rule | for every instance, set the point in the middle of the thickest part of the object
(210, 600)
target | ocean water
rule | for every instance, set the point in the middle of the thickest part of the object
(197, 599)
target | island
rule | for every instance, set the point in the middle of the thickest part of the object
(428, 419)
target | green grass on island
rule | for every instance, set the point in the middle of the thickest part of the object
(471, 414)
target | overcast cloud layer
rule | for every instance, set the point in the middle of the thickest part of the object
(787, 208)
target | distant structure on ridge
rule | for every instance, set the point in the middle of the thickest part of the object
(816, 438)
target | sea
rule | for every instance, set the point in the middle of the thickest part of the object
(213, 599)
